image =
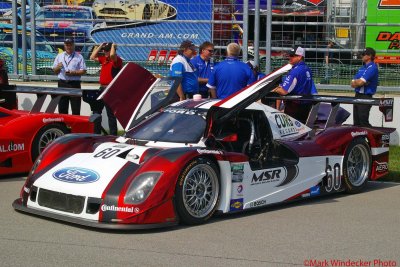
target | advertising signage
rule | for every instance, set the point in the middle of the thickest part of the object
(384, 37)
(156, 36)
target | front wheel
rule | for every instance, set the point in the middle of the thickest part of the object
(197, 191)
(357, 166)
(45, 136)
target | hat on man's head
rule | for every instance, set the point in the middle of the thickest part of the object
(69, 41)
(187, 44)
(297, 51)
(369, 51)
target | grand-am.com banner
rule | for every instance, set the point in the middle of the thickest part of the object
(156, 38)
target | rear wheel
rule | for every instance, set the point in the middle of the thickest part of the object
(45, 136)
(357, 165)
(197, 191)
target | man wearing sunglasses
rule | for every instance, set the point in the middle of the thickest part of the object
(365, 83)
(299, 81)
(205, 65)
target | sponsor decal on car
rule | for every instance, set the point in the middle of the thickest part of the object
(386, 102)
(283, 175)
(76, 175)
(258, 203)
(237, 172)
(12, 147)
(206, 151)
(105, 207)
(47, 120)
(268, 176)
(236, 204)
(315, 191)
(354, 134)
(381, 167)
(285, 124)
(385, 140)
(239, 189)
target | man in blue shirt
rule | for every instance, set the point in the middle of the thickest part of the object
(205, 65)
(231, 75)
(182, 67)
(299, 81)
(365, 83)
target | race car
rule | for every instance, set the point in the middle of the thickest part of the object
(58, 22)
(182, 162)
(24, 134)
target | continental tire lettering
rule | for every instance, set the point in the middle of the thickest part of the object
(185, 172)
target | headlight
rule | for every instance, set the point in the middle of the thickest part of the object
(141, 187)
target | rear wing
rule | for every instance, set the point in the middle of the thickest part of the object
(9, 92)
(385, 105)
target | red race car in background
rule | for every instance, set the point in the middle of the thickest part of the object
(24, 134)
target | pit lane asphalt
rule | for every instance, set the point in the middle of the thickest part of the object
(338, 227)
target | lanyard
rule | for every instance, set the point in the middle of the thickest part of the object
(67, 63)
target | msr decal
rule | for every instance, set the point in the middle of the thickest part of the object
(283, 175)
(381, 167)
(12, 147)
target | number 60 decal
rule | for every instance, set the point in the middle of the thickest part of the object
(333, 176)
(107, 153)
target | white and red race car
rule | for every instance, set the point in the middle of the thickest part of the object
(181, 163)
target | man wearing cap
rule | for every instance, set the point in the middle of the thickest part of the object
(299, 81)
(204, 64)
(231, 75)
(111, 64)
(69, 66)
(182, 67)
(365, 83)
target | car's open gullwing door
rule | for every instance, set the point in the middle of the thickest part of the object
(232, 105)
(135, 93)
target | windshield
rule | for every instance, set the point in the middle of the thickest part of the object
(171, 125)
(64, 14)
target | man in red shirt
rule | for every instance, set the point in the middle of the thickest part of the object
(110, 63)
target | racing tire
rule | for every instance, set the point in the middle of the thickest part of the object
(357, 166)
(45, 136)
(197, 191)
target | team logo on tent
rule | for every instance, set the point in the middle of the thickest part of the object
(389, 4)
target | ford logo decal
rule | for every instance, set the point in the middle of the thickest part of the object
(76, 175)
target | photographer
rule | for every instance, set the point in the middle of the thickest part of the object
(111, 64)
(69, 66)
